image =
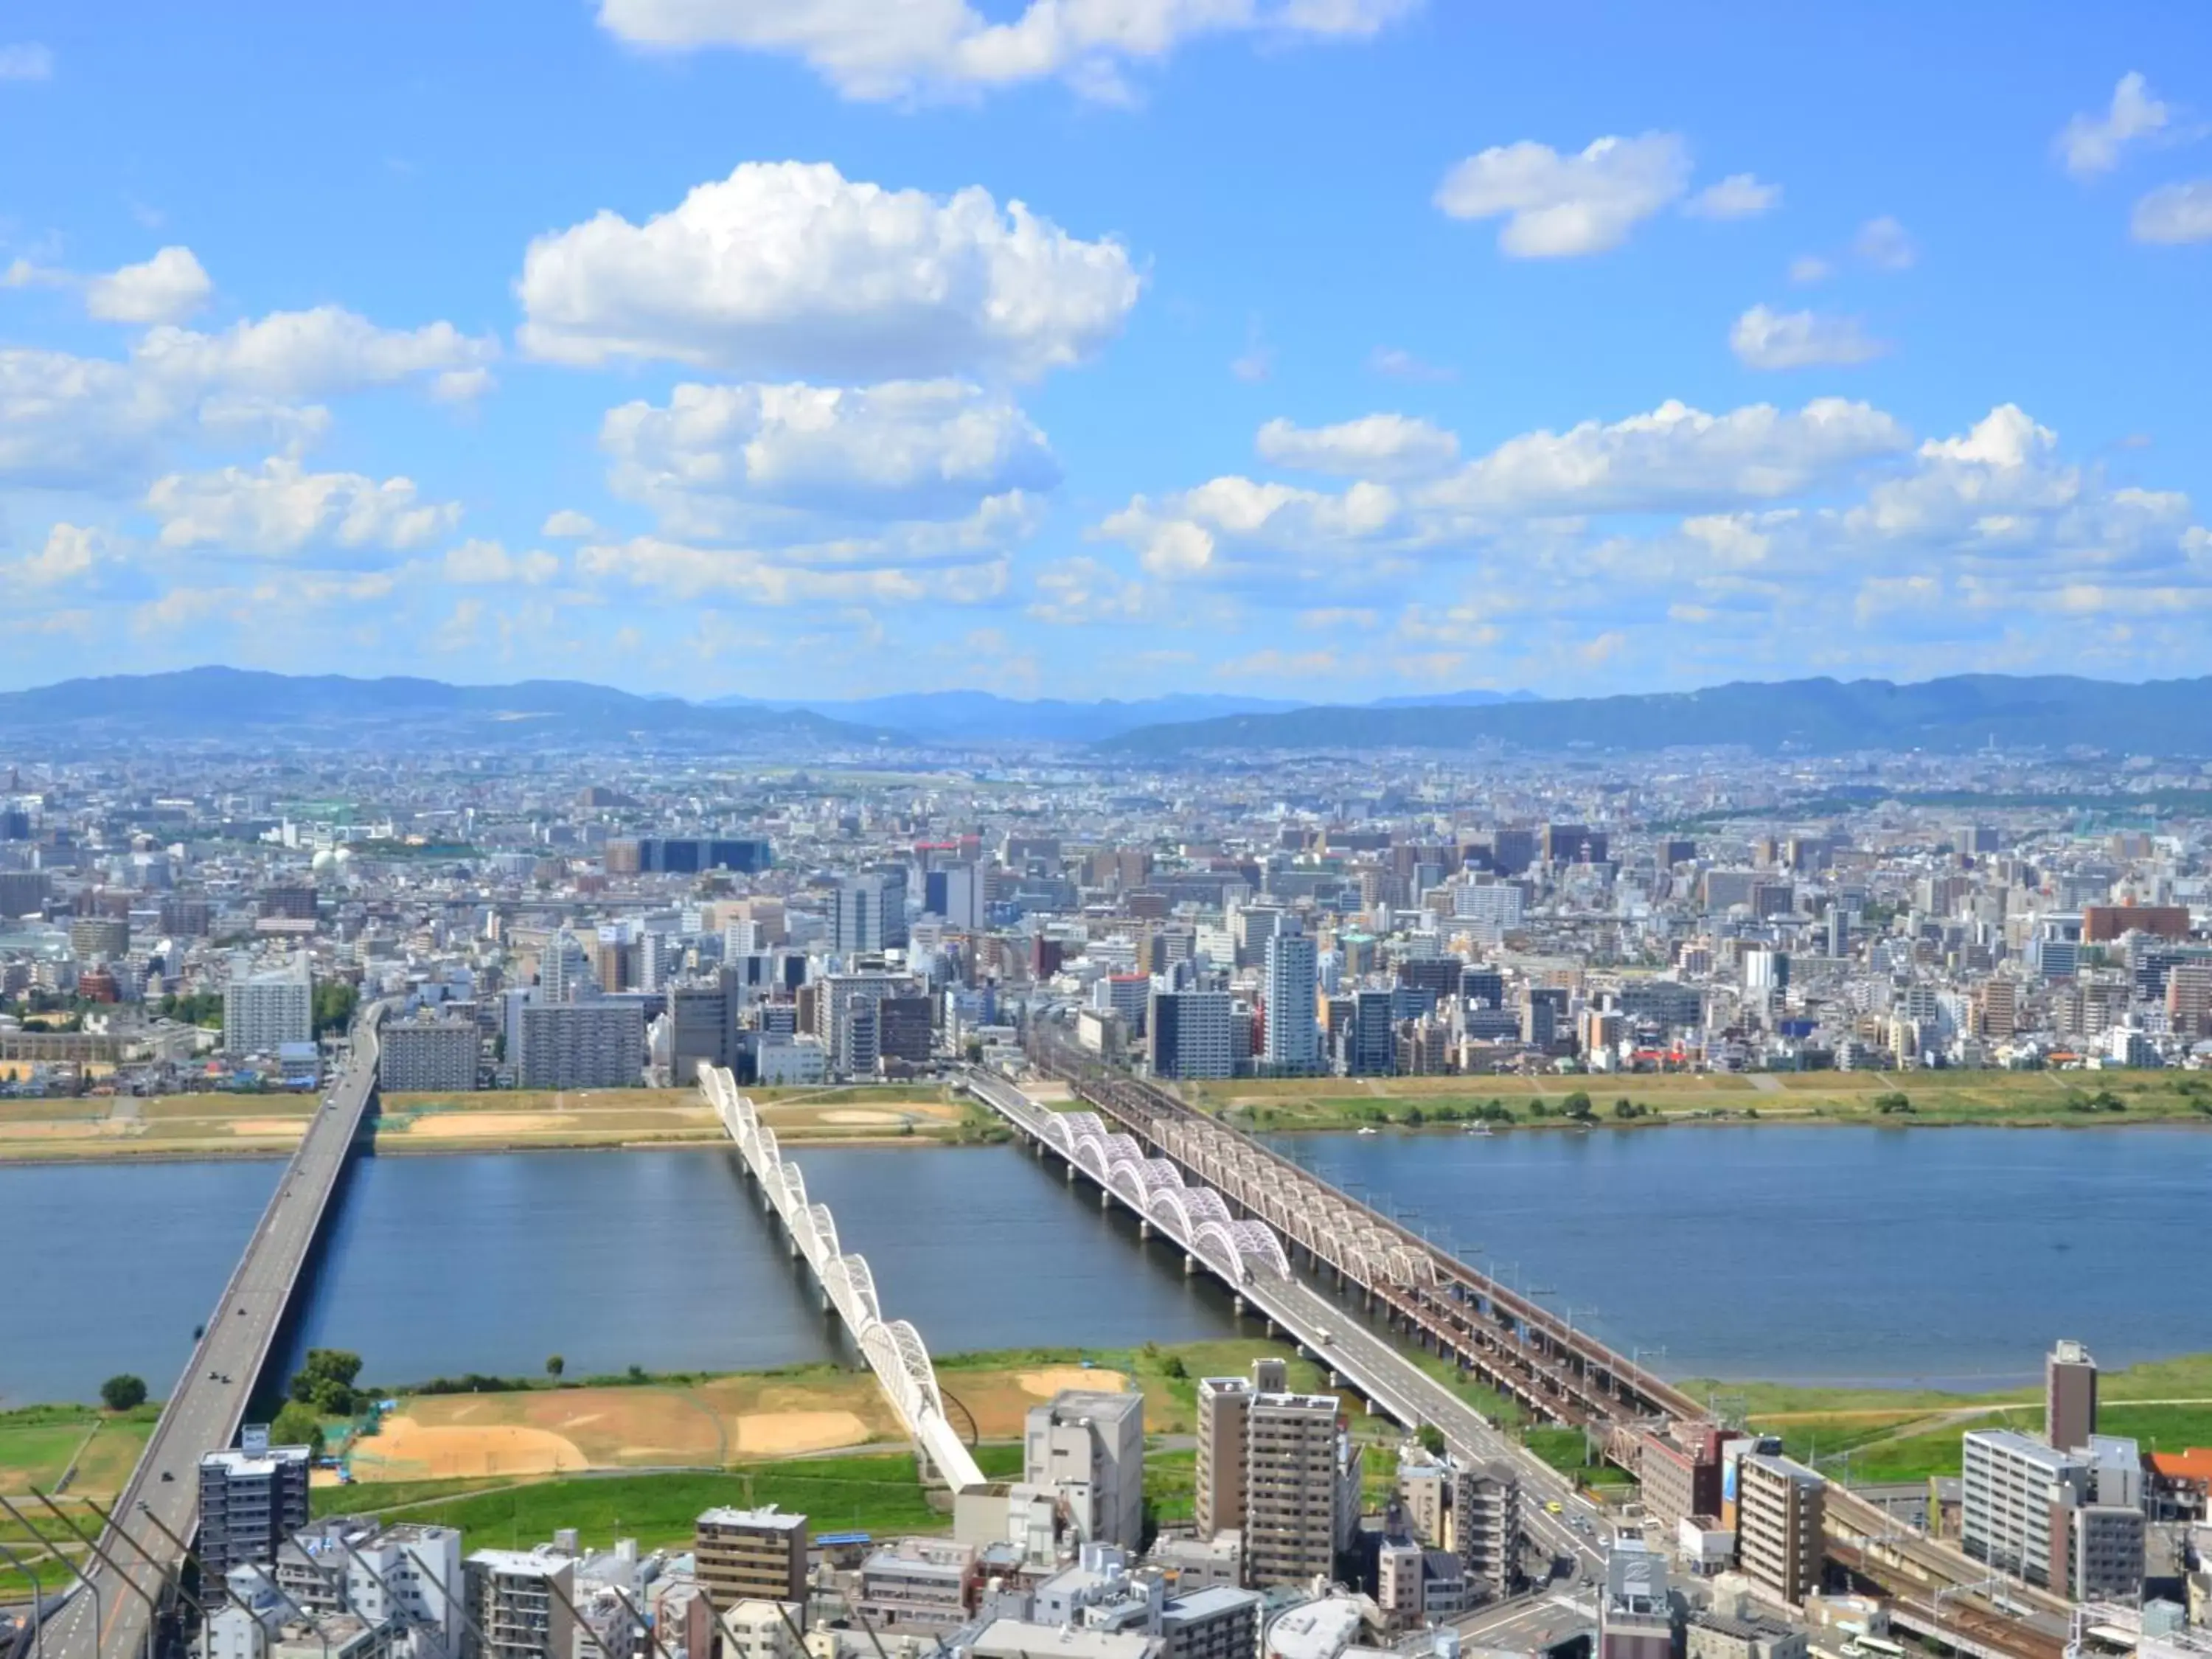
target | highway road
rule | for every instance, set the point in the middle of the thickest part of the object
(205, 1407)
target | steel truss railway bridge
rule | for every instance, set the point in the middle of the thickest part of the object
(1138, 1135)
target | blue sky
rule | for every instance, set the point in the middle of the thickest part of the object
(1315, 348)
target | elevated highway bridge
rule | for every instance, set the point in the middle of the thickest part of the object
(112, 1616)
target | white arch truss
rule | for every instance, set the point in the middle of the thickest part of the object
(893, 1348)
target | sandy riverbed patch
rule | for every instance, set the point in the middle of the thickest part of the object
(1050, 1381)
(476, 1126)
(405, 1450)
(264, 1126)
(781, 1434)
(52, 1131)
(856, 1116)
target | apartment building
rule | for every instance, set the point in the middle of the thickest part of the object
(2066, 1521)
(422, 1056)
(581, 1045)
(1277, 1466)
(1780, 1506)
(2069, 1395)
(751, 1555)
(261, 1012)
(519, 1604)
(251, 1502)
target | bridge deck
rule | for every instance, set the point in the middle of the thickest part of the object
(205, 1407)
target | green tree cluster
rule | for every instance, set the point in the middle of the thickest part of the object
(325, 1381)
(297, 1425)
(1895, 1100)
(334, 1004)
(123, 1393)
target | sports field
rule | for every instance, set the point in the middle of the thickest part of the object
(232, 1125)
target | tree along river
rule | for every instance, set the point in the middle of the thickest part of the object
(1845, 1255)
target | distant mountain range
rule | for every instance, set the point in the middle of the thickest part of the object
(982, 717)
(201, 703)
(1950, 715)
(1961, 713)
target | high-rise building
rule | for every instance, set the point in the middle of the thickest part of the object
(1780, 1505)
(1087, 1449)
(250, 1501)
(99, 938)
(581, 1045)
(750, 1554)
(427, 1056)
(1189, 1034)
(1369, 1048)
(2188, 999)
(1291, 1042)
(1278, 1465)
(867, 913)
(2069, 1395)
(700, 1028)
(564, 972)
(262, 1011)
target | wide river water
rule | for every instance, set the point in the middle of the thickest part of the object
(1843, 1254)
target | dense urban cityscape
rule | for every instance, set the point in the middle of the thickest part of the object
(1105, 830)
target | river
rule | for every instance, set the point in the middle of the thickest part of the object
(1950, 1256)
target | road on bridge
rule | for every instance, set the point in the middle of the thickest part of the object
(204, 1409)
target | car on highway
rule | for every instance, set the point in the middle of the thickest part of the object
(1554, 1507)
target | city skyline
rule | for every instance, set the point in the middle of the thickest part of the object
(734, 349)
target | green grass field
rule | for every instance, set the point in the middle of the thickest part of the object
(880, 1493)
(2023, 1098)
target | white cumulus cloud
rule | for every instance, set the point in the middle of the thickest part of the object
(489, 564)
(280, 509)
(903, 449)
(308, 353)
(1557, 206)
(1376, 446)
(1739, 196)
(2174, 214)
(166, 288)
(872, 49)
(2091, 145)
(1766, 338)
(789, 269)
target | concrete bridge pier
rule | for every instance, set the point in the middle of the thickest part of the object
(1144, 1228)
(1189, 1264)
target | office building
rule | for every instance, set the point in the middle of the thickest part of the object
(955, 892)
(2069, 1395)
(1291, 1045)
(1369, 1049)
(1187, 1034)
(1277, 1466)
(427, 1056)
(23, 893)
(1779, 1509)
(750, 1554)
(99, 938)
(685, 855)
(906, 1028)
(1087, 1448)
(700, 1027)
(261, 1012)
(581, 1045)
(1635, 1618)
(519, 1604)
(867, 913)
(250, 1501)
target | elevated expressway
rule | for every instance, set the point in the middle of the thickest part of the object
(1439, 1305)
(208, 1401)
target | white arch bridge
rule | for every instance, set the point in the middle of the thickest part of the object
(1196, 1217)
(893, 1348)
